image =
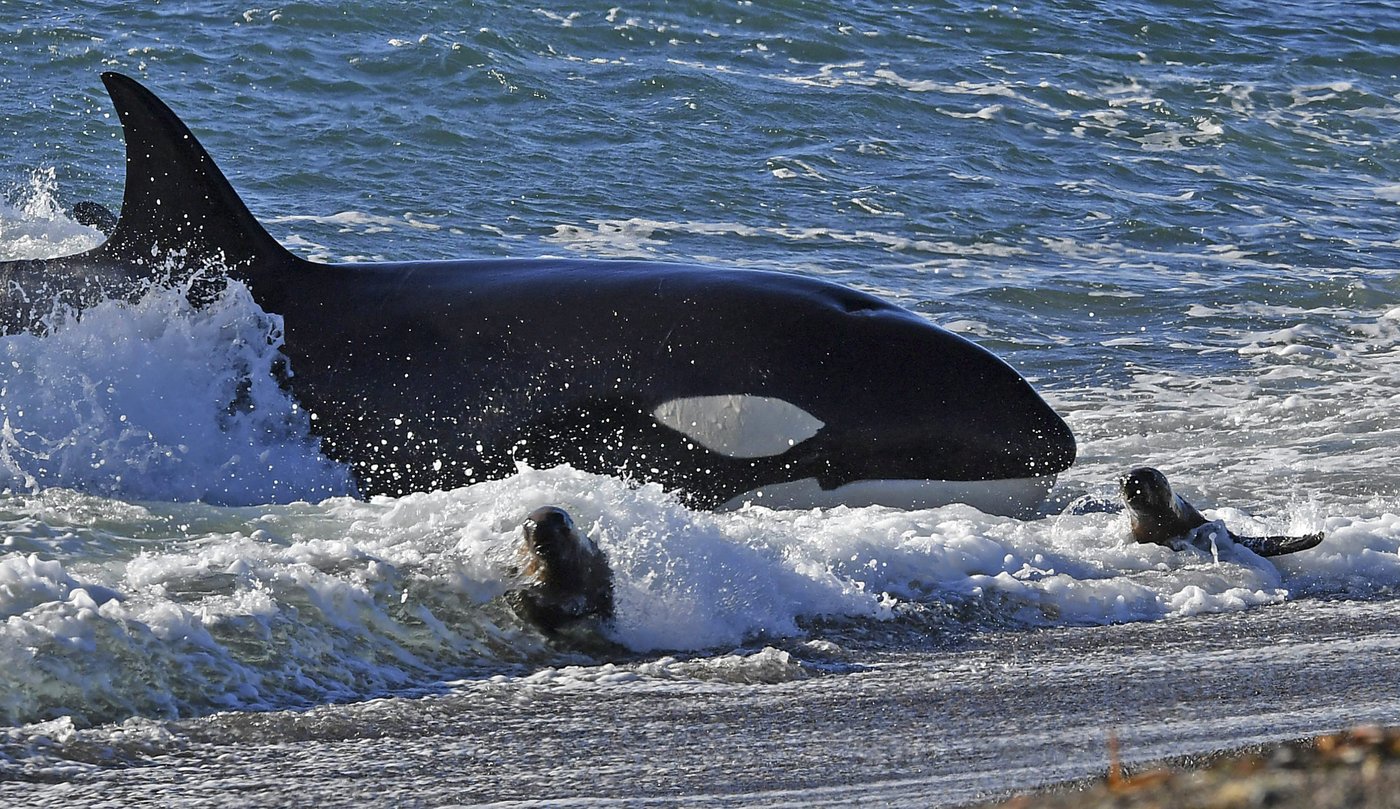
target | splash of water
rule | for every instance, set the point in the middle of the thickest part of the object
(156, 399)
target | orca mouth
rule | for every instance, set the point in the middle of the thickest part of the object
(766, 428)
(838, 461)
(863, 470)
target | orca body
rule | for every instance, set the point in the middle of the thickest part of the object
(720, 384)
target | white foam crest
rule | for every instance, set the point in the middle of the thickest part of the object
(244, 619)
(1306, 94)
(629, 237)
(1175, 137)
(692, 580)
(34, 225)
(284, 606)
(683, 579)
(360, 222)
(59, 747)
(147, 399)
(768, 665)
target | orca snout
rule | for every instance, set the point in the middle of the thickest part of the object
(1008, 431)
(1043, 441)
(968, 413)
(912, 415)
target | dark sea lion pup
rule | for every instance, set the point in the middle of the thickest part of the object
(1160, 516)
(568, 576)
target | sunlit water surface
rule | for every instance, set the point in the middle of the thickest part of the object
(1176, 219)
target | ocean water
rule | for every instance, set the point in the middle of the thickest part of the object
(1177, 219)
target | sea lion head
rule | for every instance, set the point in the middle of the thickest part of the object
(550, 538)
(1146, 491)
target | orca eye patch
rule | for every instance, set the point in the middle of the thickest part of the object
(739, 425)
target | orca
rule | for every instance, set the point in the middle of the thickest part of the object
(723, 385)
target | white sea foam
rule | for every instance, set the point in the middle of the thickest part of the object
(35, 225)
(767, 665)
(359, 222)
(158, 399)
(630, 237)
(281, 606)
(152, 398)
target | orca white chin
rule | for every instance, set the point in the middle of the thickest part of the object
(1011, 497)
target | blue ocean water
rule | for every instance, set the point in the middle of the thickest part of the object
(1176, 218)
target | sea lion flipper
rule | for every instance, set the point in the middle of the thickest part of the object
(1280, 545)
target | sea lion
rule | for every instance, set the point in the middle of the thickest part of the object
(568, 575)
(1159, 515)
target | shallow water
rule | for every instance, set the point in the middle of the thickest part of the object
(970, 718)
(1176, 219)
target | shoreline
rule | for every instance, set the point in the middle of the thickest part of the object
(1352, 769)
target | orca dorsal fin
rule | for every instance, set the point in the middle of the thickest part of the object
(176, 199)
